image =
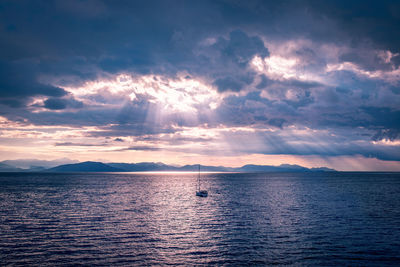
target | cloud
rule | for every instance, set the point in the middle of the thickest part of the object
(385, 120)
(233, 83)
(240, 48)
(140, 148)
(62, 103)
(131, 70)
(305, 141)
(228, 59)
(76, 144)
(19, 82)
(278, 122)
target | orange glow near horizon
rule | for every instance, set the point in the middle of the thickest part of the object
(206, 146)
(340, 163)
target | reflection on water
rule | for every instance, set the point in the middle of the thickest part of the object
(146, 219)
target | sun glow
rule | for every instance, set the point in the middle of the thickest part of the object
(282, 68)
(182, 94)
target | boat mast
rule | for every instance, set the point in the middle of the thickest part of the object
(198, 178)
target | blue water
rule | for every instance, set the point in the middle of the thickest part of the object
(156, 219)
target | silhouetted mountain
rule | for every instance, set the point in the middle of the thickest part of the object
(35, 169)
(152, 166)
(7, 168)
(88, 166)
(34, 163)
(267, 168)
(292, 167)
(143, 167)
(322, 169)
(281, 168)
(205, 168)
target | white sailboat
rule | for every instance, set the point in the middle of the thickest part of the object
(200, 193)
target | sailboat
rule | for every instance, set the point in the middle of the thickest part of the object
(200, 193)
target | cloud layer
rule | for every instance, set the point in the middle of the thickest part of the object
(224, 77)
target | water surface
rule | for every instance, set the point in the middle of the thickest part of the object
(149, 219)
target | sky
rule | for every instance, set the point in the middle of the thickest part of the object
(314, 83)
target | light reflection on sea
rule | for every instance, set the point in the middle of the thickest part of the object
(156, 219)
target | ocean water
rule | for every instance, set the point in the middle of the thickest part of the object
(155, 219)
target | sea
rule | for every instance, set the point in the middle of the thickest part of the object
(146, 219)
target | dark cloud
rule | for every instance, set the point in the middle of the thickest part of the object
(55, 103)
(240, 48)
(364, 21)
(390, 134)
(175, 139)
(230, 83)
(263, 83)
(385, 120)
(62, 103)
(139, 129)
(140, 148)
(278, 122)
(77, 144)
(19, 82)
(367, 60)
(228, 60)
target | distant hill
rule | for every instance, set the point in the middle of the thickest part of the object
(281, 168)
(151, 166)
(322, 169)
(205, 168)
(35, 163)
(7, 168)
(35, 169)
(91, 166)
(88, 166)
(143, 167)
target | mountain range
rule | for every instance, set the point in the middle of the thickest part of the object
(91, 166)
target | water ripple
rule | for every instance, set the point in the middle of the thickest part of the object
(248, 219)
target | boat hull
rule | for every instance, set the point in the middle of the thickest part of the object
(202, 193)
